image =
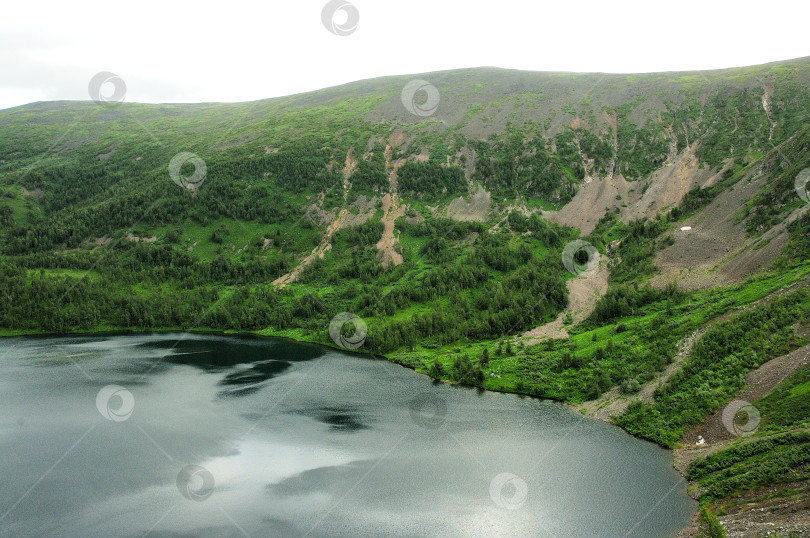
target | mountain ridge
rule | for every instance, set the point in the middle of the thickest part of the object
(481, 68)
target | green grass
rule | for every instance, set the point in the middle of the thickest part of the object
(57, 273)
(24, 208)
(752, 465)
(788, 405)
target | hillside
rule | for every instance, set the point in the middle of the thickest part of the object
(447, 230)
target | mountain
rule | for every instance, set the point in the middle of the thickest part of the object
(633, 245)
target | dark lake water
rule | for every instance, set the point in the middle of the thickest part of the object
(185, 435)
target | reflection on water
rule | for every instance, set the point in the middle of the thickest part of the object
(298, 440)
(338, 418)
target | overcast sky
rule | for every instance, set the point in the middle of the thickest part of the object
(177, 51)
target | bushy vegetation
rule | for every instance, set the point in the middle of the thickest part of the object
(777, 455)
(629, 300)
(512, 165)
(370, 174)
(779, 196)
(537, 226)
(642, 147)
(750, 465)
(788, 405)
(431, 180)
(710, 526)
(716, 368)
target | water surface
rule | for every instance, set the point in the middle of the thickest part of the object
(287, 439)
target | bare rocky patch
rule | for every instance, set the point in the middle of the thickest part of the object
(392, 210)
(360, 211)
(318, 215)
(136, 239)
(317, 252)
(667, 186)
(718, 251)
(36, 193)
(477, 208)
(583, 294)
(591, 202)
(396, 138)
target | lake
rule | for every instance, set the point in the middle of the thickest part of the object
(197, 435)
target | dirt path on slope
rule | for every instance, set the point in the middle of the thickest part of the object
(348, 169)
(767, 99)
(761, 381)
(317, 252)
(613, 121)
(392, 210)
(326, 241)
(614, 403)
(583, 294)
(755, 515)
(757, 383)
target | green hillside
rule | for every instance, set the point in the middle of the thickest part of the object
(445, 232)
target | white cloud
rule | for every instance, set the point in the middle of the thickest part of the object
(174, 51)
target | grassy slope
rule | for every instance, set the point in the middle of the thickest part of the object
(743, 475)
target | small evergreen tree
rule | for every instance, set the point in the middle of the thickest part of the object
(484, 357)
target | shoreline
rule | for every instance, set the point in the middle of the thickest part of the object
(258, 334)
